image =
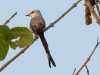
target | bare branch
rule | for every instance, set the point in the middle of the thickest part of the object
(87, 69)
(92, 11)
(97, 7)
(74, 71)
(52, 24)
(7, 21)
(88, 57)
(5, 65)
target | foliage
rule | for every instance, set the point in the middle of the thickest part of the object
(15, 37)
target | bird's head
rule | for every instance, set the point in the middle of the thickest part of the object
(34, 13)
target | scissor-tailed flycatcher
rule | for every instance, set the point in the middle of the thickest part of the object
(37, 24)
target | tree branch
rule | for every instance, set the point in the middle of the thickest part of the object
(97, 7)
(87, 3)
(7, 21)
(51, 25)
(88, 59)
(74, 71)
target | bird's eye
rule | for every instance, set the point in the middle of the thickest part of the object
(32, 11)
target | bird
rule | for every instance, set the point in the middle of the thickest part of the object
(37, 25)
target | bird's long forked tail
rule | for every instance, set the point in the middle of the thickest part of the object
(44, 42)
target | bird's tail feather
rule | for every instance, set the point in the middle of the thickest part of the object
(44, 42)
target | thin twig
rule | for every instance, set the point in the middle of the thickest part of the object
(52, 24)
(74, 71)
(87, 69)
(7, 21)
(88, 57)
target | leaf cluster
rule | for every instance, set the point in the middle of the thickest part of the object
(15, 37)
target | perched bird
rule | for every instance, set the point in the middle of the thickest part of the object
(37, 25)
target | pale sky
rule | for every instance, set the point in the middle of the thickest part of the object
(70, 41)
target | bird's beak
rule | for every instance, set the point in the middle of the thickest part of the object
(28, 15)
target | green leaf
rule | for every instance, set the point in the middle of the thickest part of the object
(20, 44)
(4, 47)
(5, 31)
(24, 34)
(13, 45)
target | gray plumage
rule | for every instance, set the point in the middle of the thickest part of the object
(37, 24)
